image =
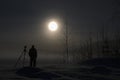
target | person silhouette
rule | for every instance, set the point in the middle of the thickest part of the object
(33, 56)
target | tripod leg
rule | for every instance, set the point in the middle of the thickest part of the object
(18, 59)
(24, 59)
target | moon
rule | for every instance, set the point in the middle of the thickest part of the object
(53, 26)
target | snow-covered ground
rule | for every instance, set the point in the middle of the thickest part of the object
(62, 72)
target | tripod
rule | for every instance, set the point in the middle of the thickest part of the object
(23, 54)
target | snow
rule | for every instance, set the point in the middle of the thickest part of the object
(59, 72)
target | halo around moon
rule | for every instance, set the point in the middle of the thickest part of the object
(52, 26)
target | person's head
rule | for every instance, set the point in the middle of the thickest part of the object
(32, 46)
(25, 46)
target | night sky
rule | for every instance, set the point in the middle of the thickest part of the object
(24, 22)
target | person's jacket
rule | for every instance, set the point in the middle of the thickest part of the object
(33, 52)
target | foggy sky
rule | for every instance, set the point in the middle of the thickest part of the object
(24, 21)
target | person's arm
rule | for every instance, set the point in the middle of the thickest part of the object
(29, 52)
(36, 52)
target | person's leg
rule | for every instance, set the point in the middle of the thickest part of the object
(34, 62)
(30, 62)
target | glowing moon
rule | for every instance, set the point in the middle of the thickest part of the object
(53, 26)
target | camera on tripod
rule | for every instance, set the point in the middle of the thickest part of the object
(22, 56)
